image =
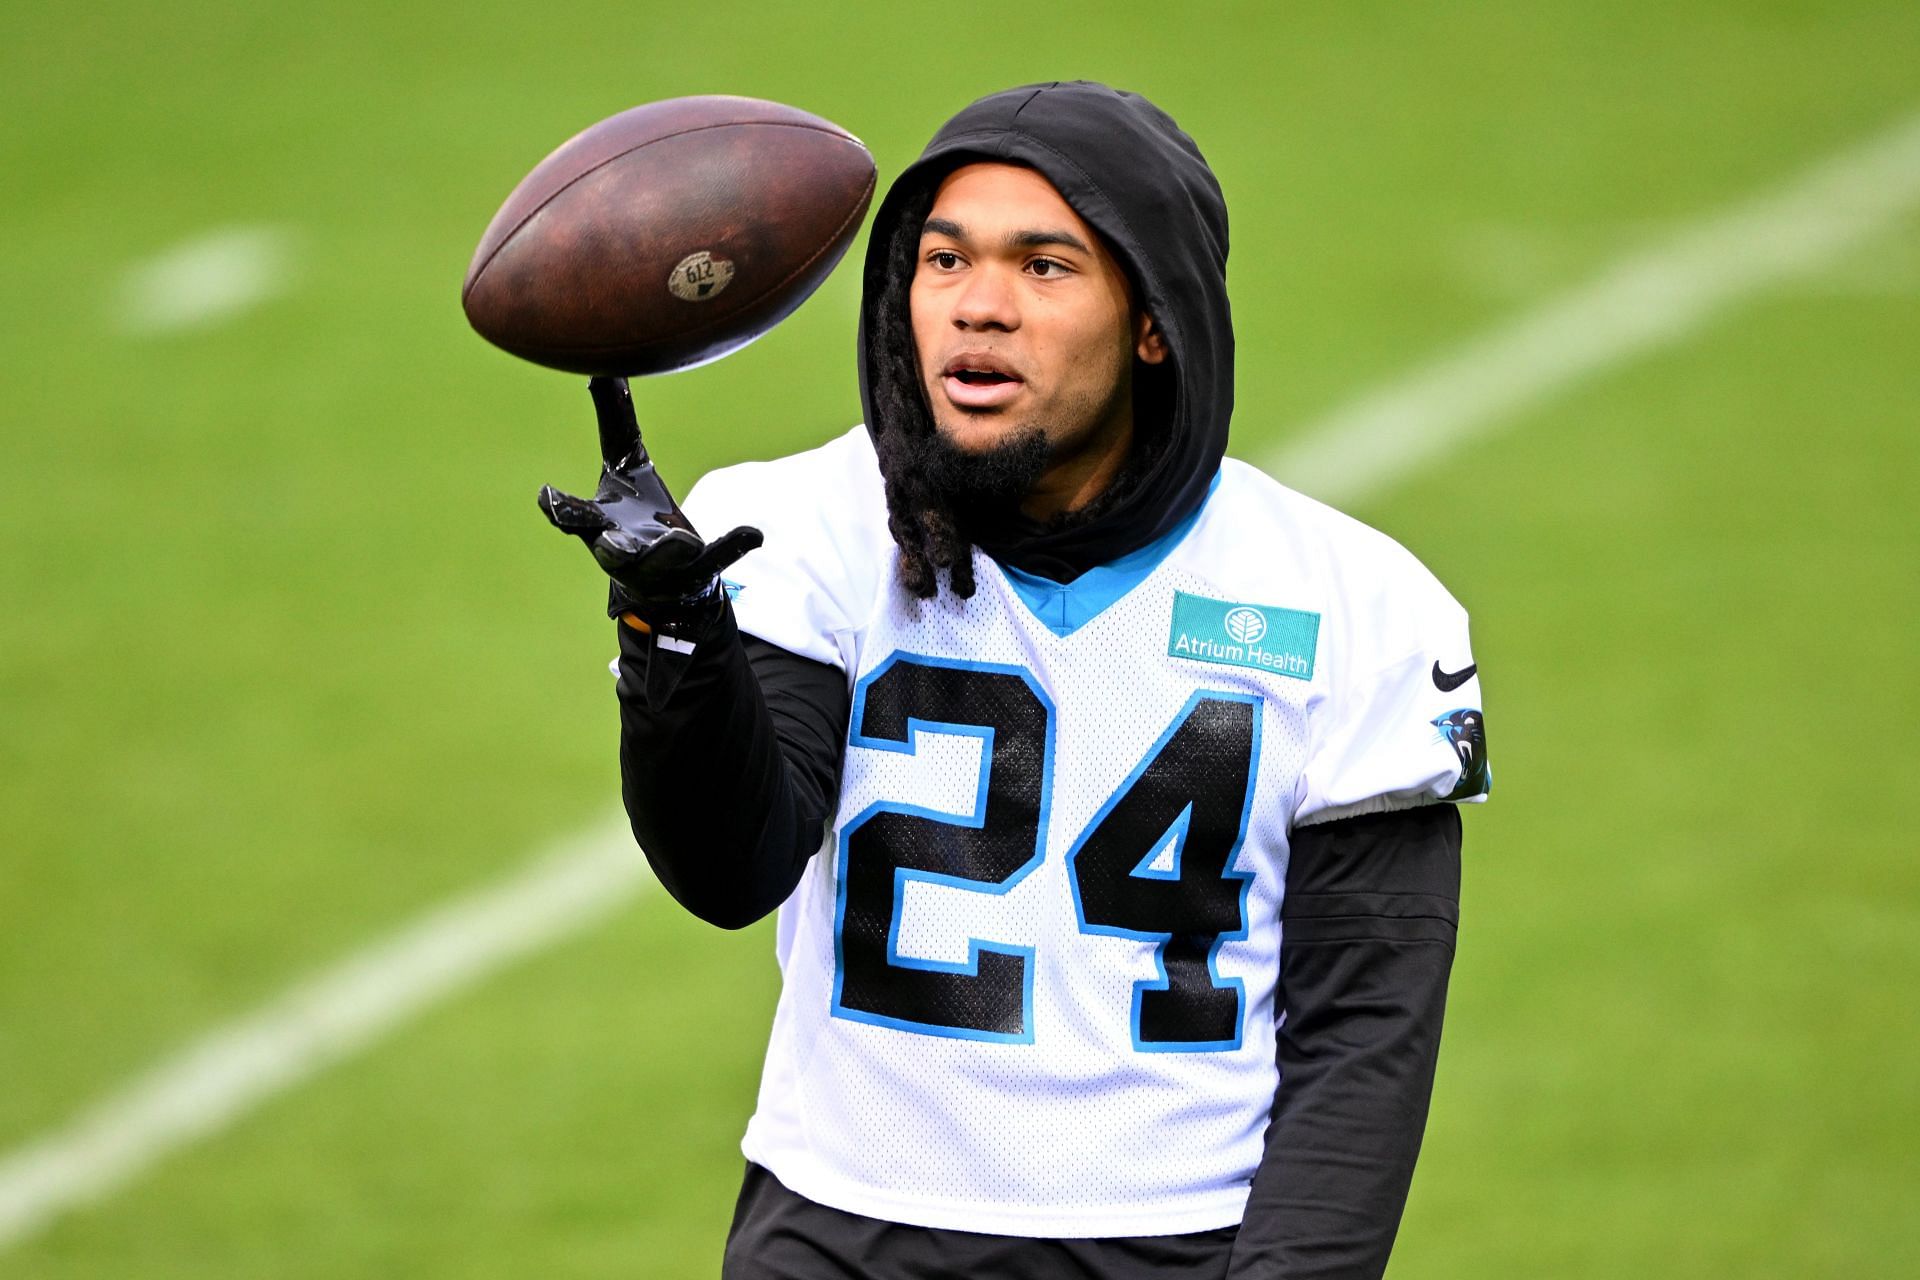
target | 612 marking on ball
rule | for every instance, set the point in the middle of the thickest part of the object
(699, 276)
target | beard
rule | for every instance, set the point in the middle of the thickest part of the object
(981, 483)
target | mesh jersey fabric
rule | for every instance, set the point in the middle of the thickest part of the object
(981, 1026)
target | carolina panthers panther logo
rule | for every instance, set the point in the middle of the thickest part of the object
(1465, 730)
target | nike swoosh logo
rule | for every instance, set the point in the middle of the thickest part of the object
(1448, 681)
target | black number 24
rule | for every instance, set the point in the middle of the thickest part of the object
(1193, 789)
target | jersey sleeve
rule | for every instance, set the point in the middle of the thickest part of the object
(1401, 723)
(812, 582)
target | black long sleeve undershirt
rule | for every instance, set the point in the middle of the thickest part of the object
(730, 781)
(1368, 933)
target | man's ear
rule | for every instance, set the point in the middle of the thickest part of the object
(1148, 342)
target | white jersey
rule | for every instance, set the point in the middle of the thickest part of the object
(1028, 981)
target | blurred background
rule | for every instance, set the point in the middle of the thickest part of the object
(289, 661)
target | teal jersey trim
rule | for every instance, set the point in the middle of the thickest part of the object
(1064, 607)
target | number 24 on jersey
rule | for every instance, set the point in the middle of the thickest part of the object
(1194, 785)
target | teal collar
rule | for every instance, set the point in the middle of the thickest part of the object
(1065, 607)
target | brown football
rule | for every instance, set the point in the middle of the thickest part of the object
(668, 235)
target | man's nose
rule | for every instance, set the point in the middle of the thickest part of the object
(988, 301)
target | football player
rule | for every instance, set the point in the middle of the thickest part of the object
(1105, 787)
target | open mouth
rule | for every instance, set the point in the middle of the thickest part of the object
(980, 381)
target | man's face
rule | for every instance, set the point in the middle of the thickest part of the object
(1024, 322)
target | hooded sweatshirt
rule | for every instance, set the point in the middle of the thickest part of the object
(1127, 168)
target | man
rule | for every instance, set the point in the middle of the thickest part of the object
(1102, 784)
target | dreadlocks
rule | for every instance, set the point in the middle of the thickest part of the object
(918, 514)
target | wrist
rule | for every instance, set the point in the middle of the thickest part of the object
(685, 619)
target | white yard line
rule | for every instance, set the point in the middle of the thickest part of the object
(215, 276)
(332, 1016)
(1641, 303)
(1649, 300)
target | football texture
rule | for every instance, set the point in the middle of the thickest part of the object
(668, 236)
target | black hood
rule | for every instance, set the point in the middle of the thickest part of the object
(1129, 171)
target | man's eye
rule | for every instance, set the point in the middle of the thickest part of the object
(944, 259)
(1047, 267)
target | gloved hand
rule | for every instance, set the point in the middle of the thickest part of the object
(662, 571)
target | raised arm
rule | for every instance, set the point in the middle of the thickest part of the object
(730, 781)
(729, 747)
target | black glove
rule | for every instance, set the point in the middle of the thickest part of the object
(662, 572)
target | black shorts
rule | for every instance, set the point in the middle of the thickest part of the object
(778, 1235)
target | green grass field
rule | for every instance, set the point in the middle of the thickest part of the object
(289, 656)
